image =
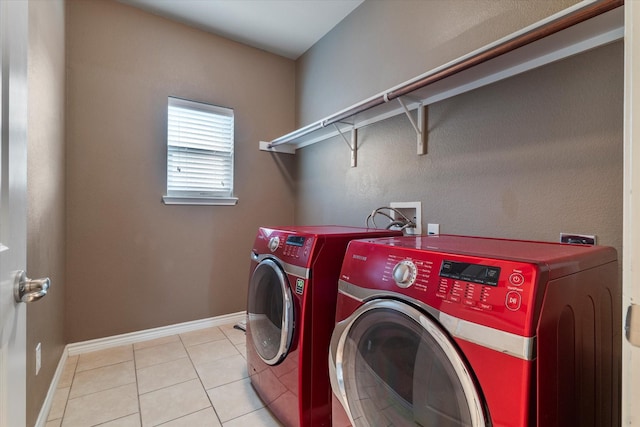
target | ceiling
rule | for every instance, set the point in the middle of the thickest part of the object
(284, 27)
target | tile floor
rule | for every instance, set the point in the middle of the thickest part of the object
(196, 379)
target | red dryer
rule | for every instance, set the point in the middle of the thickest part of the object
(290, 316)
(467, 331)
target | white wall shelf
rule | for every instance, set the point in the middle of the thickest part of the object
(584, 26)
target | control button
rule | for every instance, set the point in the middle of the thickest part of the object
(470, 303)
(274, 242)
(516, 279)
(404, 273)
(485, 306)
(513, 301)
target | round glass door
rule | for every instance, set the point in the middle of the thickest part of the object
(399, 368)
(270, 312)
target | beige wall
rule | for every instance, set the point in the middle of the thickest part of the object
(528, 157)
(132, 262)
(384, 43)
(46, 194)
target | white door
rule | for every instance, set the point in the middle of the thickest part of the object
(13, 192)
(631, 242)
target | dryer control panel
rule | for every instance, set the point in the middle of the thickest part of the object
(493, 282)
(476, 273)
(480, 286)
(496, 293)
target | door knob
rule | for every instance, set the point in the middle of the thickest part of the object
(29, 290)
(632, 325)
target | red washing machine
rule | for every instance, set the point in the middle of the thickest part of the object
(290, 316)
(467, 331)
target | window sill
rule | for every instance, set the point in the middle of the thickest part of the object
(205, 201)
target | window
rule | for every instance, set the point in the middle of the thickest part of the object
(199, 154)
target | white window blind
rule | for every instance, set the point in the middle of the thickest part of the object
(199, 153)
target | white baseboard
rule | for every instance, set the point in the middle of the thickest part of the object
(130, 338)
(150, 334)
(48, 401)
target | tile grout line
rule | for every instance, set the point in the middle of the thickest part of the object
(76, 372)
(135, 372)
(200, 379)
(73, 378)
(99, 391)
(230, 338)
(155, 365)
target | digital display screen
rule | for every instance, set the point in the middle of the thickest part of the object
(295, 240)
(476, 273)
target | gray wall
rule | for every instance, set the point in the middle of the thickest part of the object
(132, 262)
(46, 194)
(383, 43)
(527, 157)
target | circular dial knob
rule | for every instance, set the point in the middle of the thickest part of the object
(404, 273)
(274, 242)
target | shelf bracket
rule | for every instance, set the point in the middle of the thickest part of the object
(353, 145)
(420, 127)
(288, 149)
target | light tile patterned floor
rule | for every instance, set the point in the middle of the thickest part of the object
(196, 379)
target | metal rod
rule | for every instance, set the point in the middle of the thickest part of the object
(553, 27)
(560, 24)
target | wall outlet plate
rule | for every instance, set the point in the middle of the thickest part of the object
(413, 211)
(433, 229)
(578, 239)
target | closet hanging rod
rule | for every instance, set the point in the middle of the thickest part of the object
(576, 16)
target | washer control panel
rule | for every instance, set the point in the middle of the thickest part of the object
(292, 248)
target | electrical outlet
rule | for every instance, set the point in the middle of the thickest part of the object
(580, 239)
(413, 211)
(433, 229)
(38, 357)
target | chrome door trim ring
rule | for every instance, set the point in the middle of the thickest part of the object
(294, 270)
(495, 339)
(339, 337)
(286, 331)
